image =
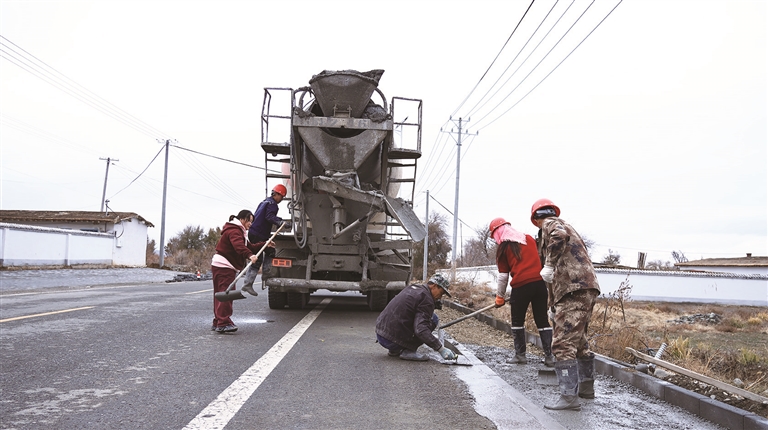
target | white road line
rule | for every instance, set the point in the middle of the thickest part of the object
(44, 314)
(201, 291)
(220, 411)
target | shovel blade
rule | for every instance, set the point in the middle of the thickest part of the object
(228, 296)
(547, 376)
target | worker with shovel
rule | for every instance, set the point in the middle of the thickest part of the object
(518, 263)
(573, 288)
(409, 319)
(232, 252)
(265, 217)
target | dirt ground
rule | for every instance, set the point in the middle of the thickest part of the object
(736, 346)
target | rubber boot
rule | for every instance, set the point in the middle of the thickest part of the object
(518, 335)
(567, 372)
(546, 345)
(411, 355)
(587, 376)
(250, 276)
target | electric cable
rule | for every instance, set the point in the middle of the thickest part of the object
(494, 60)
(555, 68)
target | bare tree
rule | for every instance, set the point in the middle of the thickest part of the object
(659, 265)
(679, 257)
(438, 248)
(479, 250)
(613, 258)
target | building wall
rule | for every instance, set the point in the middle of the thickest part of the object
(26, 245)
(22, 245)
(130, 247)
(657, 285)
(740, 270)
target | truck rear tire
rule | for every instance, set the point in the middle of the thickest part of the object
(297, 300)
(377, 300)
(277, 299)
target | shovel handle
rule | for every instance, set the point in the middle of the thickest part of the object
(242, 272)
(450, 323)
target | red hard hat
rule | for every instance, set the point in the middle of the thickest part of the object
(280, 189)
(543, 203)
(496, 223)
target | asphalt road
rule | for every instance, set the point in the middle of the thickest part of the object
(138, 355)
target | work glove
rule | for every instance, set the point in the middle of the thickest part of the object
(288, 226)
(551, 313)
(500, 301)
(447, 354)
(547, 274)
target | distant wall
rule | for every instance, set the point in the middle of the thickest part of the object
(23, 245)
(658, 285)
(741, 270)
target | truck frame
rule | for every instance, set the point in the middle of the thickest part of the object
(345, 171)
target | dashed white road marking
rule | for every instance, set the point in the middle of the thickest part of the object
(221, 410)
(201, 291)
(45, 313)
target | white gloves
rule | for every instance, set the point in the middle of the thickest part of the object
(551, 313)
(547, 274)
(447, 354)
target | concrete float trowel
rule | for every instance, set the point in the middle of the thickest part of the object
(230, 294)
(451, 346)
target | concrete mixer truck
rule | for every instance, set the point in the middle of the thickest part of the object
(348, 160)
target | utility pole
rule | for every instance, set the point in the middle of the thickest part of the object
(456, 201)
(426, 241)
(106, 175)
(165, 191)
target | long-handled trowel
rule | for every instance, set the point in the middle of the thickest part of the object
(452, 347)
(230, 293)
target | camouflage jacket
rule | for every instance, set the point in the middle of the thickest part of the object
(562, 248)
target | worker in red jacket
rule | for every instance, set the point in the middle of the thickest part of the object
(233, 251)
(517, 259)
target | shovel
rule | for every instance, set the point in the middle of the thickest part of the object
(457, 320)
(229, 294)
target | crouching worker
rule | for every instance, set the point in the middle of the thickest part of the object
(409, 319)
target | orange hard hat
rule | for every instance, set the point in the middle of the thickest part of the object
(280, 189)
(496, 223)
(543, 203)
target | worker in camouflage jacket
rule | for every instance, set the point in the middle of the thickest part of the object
(573, 289)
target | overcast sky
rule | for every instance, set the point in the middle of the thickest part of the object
(645, 122)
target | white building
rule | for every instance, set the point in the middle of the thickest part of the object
(68, 238)
(748, 265)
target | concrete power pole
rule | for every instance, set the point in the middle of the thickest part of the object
(426, 241)
(162, 221)
(456, 202)
(106, 175)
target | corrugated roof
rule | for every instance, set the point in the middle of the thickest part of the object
(728, 262)
(19, 216)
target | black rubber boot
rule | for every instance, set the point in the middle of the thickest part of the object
(587, 376)
(568, 378)
(546, 345)
(518, 335)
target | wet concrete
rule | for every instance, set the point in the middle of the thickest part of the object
(616, 405)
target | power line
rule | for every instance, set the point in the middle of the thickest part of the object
(28, 62)
(551, 71)
(494, 60)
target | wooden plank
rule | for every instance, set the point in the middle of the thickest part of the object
(714, 382)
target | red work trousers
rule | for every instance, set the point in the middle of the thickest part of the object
(222, 311)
